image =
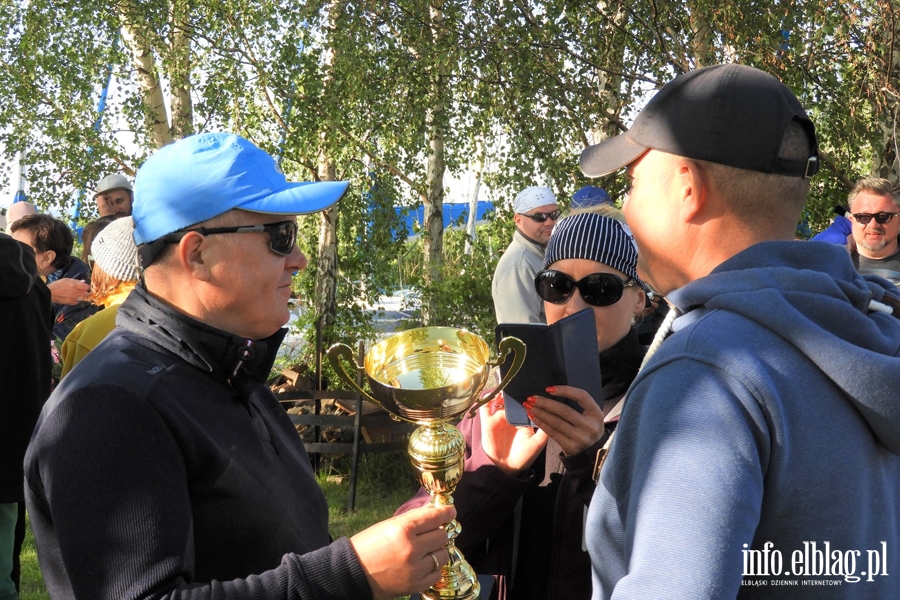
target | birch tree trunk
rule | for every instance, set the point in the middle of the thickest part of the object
(885, 161)
(144, 62)
(701, 37)
(180, 77)
(609, 87)
(436, 166)
(473, 202)
(327, 262)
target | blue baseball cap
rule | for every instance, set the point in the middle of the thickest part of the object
(208, 174)
(590, 195)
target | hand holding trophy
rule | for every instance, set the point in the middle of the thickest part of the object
(430, 376)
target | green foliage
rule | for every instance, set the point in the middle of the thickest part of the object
(366, 220)
(463, 294)
(520, 88)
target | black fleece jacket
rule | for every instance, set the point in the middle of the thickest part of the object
(163, 467)
(24, 359)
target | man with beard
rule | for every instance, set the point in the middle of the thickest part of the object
(873, 212)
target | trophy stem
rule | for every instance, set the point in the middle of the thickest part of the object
(437, 451)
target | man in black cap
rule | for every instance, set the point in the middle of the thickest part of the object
(759, 445)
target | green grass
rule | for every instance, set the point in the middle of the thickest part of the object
(31, 583)
(384, 482)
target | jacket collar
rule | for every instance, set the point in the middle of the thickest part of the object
(530, 244)
(226, 356)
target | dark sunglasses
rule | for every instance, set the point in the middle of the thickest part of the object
(880, 218)
(541, 217)
(282, 237)
(597, 289)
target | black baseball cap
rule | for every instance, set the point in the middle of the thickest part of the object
(733, 115)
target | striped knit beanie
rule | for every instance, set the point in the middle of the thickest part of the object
(115, 251)
(594, 237)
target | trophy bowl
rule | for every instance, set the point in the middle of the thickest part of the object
(430, 376)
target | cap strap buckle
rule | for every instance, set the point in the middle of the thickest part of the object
(812, 167)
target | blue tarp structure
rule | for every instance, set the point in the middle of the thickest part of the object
(453, 213)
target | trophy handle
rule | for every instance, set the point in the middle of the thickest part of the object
(335, 354)
(506, 345)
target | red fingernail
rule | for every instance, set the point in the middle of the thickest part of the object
(551, 389)
(530, 416)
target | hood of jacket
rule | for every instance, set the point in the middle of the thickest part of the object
(810, 294)
(226, 356)
(18, 270)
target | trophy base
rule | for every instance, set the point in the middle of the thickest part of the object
(458, 581)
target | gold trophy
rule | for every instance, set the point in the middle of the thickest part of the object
(429, 376)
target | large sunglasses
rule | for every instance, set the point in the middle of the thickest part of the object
(282, 237)
(541, 217)
(880, 218)
(597, 289)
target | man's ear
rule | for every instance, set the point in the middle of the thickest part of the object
(190, 254)
(49, 257)
(693, 189)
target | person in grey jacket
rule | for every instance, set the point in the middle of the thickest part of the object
(758, 452)
(512, 288)
(162, 466)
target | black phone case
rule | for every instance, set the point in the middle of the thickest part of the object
(564, 353)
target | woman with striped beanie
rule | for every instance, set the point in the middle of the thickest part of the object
(525, 490)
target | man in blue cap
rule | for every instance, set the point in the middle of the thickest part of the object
(589, 196)
(162, 465)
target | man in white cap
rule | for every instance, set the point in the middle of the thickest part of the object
(515, 299)
(162, 465)
(114, 196)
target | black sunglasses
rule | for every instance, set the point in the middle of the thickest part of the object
(541, 217)
(597, 289)
(880, 218)
(282, 237)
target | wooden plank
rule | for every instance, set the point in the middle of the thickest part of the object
(315, 395)
(346, 447)
(349, 406)
(346, 420)
(323, 420)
